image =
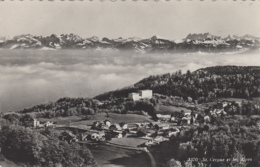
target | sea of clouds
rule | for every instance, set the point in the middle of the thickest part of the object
(30, 77)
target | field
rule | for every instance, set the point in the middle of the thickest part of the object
(166, 109)
(114, 118)
(107, 156)
(134, 142)
(62, 120)
(103, 154)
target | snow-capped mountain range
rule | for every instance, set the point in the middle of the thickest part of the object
(192, 43)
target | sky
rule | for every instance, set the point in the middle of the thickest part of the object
(172, 20)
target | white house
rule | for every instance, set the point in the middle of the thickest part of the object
(134, 96)
(123, 125)
(48, 123)
(36, 123)
(143, 94)
(146, 94)
(163, 116)
(107, 123)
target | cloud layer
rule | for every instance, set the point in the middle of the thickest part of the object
(33, 77)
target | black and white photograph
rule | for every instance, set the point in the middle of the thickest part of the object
(130, 83)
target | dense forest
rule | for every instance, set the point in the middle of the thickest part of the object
(29, 147)
(231, 142)
(64, 107)
(203, 85)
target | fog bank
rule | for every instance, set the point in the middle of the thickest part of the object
(30, 77)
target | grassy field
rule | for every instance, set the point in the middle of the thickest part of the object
(165, 109)
(104, 154)
(114, 118)
(107, 156)
(233, 99)
(130, 141)
(62, 120)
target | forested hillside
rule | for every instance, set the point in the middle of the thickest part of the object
(28, 147)
(202, 85)
(230, 142)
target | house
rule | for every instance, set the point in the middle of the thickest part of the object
(48, 123)
(29, 121)
(142, 94)
(150, 142)
(186, 120)
(172, 132)
(68, 136)
(176, 115)
(95, 136)
(95, 125)
(107, 123)
(238, 103)
(134, 96)
(115, 126)
(161, 126)
(146, 94)
(115, 134)
(218, 112)
(141, 125)
(36, 123)
(84, 136)
(224, 104)
(165, 117)
(207, 119)
(158, 139)
(123, 125)
(119, 135)
(102, 127)
(143, 132)
(98, 137)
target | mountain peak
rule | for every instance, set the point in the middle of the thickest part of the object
(201, 36)
(157, 37)
(94, 39)
(203, 42)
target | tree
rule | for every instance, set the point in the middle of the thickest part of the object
(238, 160)
(66, 154)
(247, 93)
(13, 118)
(173, 163)
(20, 144)
(27, 120)
(27, 146)
(188, 73)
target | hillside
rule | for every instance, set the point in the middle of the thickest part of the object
(177, 89)
(217, 128)
(192, 43)
(202, 85)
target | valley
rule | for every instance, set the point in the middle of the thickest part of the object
(154, 119)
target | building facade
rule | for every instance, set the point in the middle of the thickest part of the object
(143, 94)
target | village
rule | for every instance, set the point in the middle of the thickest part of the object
(140, 135)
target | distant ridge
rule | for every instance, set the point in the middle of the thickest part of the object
(192, 43)
(202, 85)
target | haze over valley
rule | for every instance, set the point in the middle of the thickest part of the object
(30, 77)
